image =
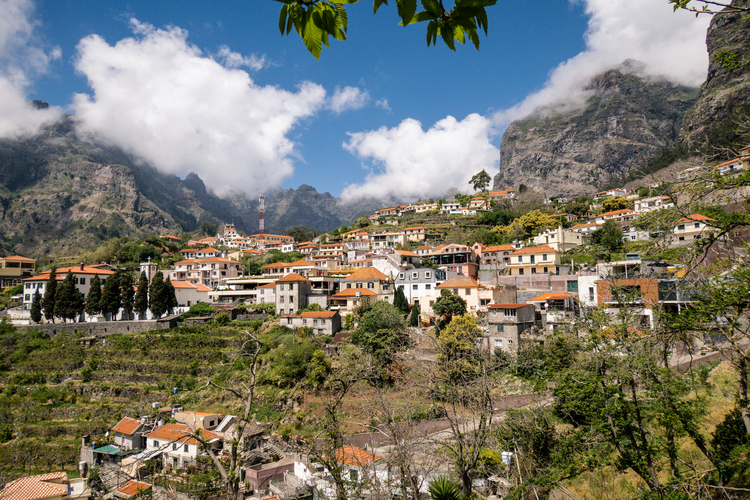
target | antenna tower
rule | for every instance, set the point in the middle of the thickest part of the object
(262, 213)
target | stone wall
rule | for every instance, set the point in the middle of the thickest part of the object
(103, 328)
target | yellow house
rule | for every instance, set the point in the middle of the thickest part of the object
(534, 260)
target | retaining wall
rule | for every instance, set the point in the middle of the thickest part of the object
(99, 328)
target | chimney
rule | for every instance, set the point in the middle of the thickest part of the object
(81, 266)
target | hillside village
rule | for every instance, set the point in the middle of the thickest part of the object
(524, 281)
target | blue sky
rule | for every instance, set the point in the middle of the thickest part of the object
(212, 87)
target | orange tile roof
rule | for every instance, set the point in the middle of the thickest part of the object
(728, 162)
(366, 273)
(582, 226)
(275, 265)
(352, 292)
(551, 296)
(171, 237)
(36, 487)
(459, 283)
(500, 248)
(536, 249)
(291, 277)
(622, 211)
(412, 228)
(351, 455)
(696, 217)
(207, 250)
(127, 426)
(63, 271)
(184, 284)
(302, 263)
(180, 433)
(318, 314)
(269, 285)
(132, 488)
(18, 257)
(407, 253)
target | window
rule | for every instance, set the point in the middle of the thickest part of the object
(546, 270)
(348, 285)
(281, 287)
(428, 275)
(533, 270)
(428, 286)
(468, 291)
(291, 286)
(371, 285)
(174, 446)
(533, 259)
(682, 238)
(187, 448)
(401, 276)
(455, 291)
(544, 256)
(27, 297)
(697, 225)
(591, 294)
(359, 285)
(520, 258)
(498, 342)
(28, 285)
(156, 443)
(520, 272)
(510, 341)
(315, 322)
(432, 302)
(75, 280)
(414, 276)
(281, 300)
(291, 300)
(681, 227)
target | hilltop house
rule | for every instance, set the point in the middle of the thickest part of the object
(535, 260)
(321, 322)
(177, 445)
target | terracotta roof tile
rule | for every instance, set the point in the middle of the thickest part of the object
(366, 273)
(127, 426)
(18, 257)
(696, 217)
(351, 455)
(180, 433)
(36, 487)
(536, 249)
(352, 292)
(551, 296)
(292, 277)
(318, 314)
(459, 283)
(132, 488)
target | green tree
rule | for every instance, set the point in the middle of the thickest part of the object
(360, 222)
(48, 303)
(608, 236)
(381, 333)
(480, 181)
(158, 300)
(36, 307)
(140, 303)
(111, 298)
(447, 306)
(67, 298)
(457, 349)
(172, 303)
(414, 316)
(399, 301)
(93, 301)
(128, 294)
(616, 203)
(302, 233)
(317, 20)
(534, 221)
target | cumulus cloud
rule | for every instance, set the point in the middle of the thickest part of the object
(22, 58)
(159, 98)
(383, 104)
(417, 163)
(669, 44)
(347, 98)
(236, 60)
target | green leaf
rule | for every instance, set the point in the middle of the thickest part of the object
(313, 35)
(406, 10)
(447, 33)
(282, 19)
(474, 37)
(458, 33)
(431, 33)
(376, 5)
(342, 16)
(421, 16)
(433, 7)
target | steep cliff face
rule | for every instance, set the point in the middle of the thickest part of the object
(624, 120)
(59, 195)
(724, 100)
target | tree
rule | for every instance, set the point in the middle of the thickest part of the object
(111, 298)
(360, 222)
(616, 203)
(480, 181)
(36, 307)
(535, 220)
(302, 233)
(158, 301)
(68, 299)
(414, 316)
(381, 334)
(457, 348)
(128, 294)
(140, 303)
(172, 303)
(48, 303)
(400, 302)
(609, 236)
(316, 20)
(208, 228)
(93, 302)
(447, 306)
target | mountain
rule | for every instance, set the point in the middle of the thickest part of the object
(625, 119)
(724, 101)
(60, 195)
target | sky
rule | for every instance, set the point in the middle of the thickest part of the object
(213, 88)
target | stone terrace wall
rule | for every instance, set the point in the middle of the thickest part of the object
(103, 328)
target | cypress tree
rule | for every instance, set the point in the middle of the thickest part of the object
(36, 307)
(111, 299)
(157, 295)
(95, 296)
(128, 294)
(48, 303)
(399, 300)
(171, 296)
(414, 317)
(66, 298)
(140, 303)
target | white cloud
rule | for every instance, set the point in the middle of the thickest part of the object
(383, 103)
(347, 98)
(235, 60)
(670, 44)
(21, 59)
(158, 97)
(417, 163)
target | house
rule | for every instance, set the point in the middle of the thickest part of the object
(732, 168)
(198, 420)
(349, 299)
(560, 239)
(417, 233)
(535, 260)
(455, 258)
(292, 292)
(302, 267)
(189, 294)
(207, 253)
(357, 464)
(561, 309)
(82, 276)
(495, 255)
(178, 445)
(622, 215)
(653, 203)
(586, 228)
(508, 194)
(420, 282)
(477, 296)
(506, 323)
(479, 203)
(128, 434)
(52, 486)
(14, 268)
(568, 217)
(369, 278)
(450, 206)
(425, 207)
(321, 322)
(132, 489)
(692, 228)
(387, 239)
(206, 271)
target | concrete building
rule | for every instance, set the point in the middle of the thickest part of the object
(15, 268)
(506, 324)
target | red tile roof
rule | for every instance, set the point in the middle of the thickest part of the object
(184, 284)
(459, 283)
(127, 426)
(352, 292)
(19, 258)
(622, 211)
(36, 487)
(351, 455)
(367, 273)
(180, 433)
(318, 314)
(551, 296)
(536, 249)
(500, 248)
(406, 253)
(132, 488)
(696, 217)
(292, 277)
